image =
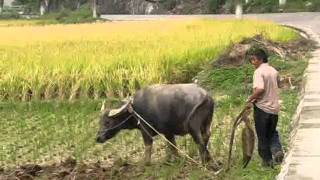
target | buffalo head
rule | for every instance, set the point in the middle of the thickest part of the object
(113, 120)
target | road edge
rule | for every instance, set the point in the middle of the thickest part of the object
(296, 118)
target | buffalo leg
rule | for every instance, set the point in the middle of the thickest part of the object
(172, 140)
(203, 150)
(148, 147)
(206, 131)
(200, 132)
(206, 137)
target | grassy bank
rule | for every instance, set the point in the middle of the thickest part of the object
(231, 87)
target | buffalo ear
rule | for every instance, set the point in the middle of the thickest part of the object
(105, 104)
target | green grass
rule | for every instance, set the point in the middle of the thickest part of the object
(48, 132)
(232, 86)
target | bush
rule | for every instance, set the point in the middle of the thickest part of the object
(84, 14)
(266, 6)
(262, 6)
(169, 4)
(213, 6)
(9, 15)
(315, 6)
(66, 16)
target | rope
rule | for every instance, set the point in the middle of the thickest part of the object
(164, 138)
(117, 124)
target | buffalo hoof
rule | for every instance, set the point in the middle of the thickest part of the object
(99, 140)
(214, 165)
(278, 157)
(267, 164)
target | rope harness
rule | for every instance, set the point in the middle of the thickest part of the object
(118, 125)
(139, 118)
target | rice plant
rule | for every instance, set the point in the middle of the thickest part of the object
(114, 59)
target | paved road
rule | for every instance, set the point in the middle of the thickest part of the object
(308, 20)
(303, 160)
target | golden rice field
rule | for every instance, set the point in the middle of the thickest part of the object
(108, 59)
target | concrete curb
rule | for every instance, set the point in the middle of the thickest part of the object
(302, 105)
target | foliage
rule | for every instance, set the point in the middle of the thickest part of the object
(264, 6)
(9, 15)
(302, 5)
(53, 5)
(82, 15)
(213, 6)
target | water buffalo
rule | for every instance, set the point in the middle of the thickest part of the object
(176, 109)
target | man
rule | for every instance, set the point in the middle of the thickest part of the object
(266, 108)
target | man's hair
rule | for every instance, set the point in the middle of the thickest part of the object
(260, 54)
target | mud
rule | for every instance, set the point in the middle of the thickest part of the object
(119, 169)
(69, 169)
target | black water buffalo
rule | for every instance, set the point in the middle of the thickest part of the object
(176, 109)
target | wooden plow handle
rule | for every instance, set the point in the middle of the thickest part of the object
(236, 123)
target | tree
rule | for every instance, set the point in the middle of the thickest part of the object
(46, 6)
(78, 4)
(282, 2)
(30, 5)
(94, 8)
(1, 5)
(216, 5)
(239, 9)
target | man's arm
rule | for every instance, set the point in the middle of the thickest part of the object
(258, 87)
(256, 94)
(279, 81)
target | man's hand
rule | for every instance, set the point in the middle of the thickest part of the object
(249, 105)
(250, 102)
(251, 99)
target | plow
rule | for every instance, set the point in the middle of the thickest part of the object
(247, 137)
